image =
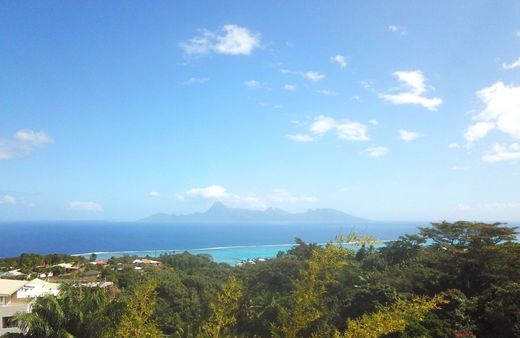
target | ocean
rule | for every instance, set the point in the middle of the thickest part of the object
(228, 243)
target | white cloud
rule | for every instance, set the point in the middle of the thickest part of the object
(352, 131)
(344, 130)
(453, 145)
(154, 194)
(289, 87)
(288, 71)
(230, 40)
(323, 124)
(252, 84)
(301, 137)
(85, 206)
(197, 80)
(478, 130)
(377, 151)
(22, 143)
(327, 92)
(314, 76)
(408, 136)
(374, 122)
(513, 65)
(414, 82)
(8, 199)
(31, 137)
(518, 33)
(340, 60)
(398, 29)
(501, 153)
(501, 112)
(216, 192)
(310, 75)
(211, 192)
(367, 85)
(283, 196)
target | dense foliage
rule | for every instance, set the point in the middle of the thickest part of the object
(450, 280)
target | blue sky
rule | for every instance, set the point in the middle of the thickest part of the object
(117, 110)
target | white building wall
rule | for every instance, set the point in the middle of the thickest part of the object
(9, 311)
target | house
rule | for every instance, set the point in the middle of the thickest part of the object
(37, 288)
(14, 274)
(17, 296)
(67, 266)
(10, 304)
(100, 262)
(146, 261)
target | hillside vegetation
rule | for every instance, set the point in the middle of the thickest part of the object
(450, 280)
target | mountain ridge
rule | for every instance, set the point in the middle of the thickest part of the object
(220, 213)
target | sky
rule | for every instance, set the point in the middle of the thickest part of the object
(403, 110)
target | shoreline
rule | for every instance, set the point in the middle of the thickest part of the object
(221, 254)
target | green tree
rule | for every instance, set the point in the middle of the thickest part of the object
(498, 311)
(77, 312)
(224, 309)
(391, 318)
(136, 321)
(307, 302)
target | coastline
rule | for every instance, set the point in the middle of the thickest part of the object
(221, 254)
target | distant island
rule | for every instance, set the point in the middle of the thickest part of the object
(219, 213)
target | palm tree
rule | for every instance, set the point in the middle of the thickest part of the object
(78, 312)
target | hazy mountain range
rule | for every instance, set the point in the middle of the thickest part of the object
(219, 213)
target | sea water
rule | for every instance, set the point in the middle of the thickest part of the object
(229, 243)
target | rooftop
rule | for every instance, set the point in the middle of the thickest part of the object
(8, 287)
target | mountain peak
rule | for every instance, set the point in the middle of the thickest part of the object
(216, 206)
(220, 213)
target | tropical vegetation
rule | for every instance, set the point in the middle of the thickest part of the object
(457, 279)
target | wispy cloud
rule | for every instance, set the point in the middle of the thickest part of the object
(500, 153)
(8, 199)
(85, 206)
(309, 75)
(252, 84)
(414, 82)
(398, 30)
(284, 196)
(196, 80)
(211, 192)
(154, 194)
(22, 143)
(373, 122)
(501, 112)
(327, 92)
(230, 40)
(408, 136)
(289, 87)
(217, 192)
(454, 146)
(377, 151)
(340, 60)
(343, 129)
(301, 137)
(513, 65)
(314, 76)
